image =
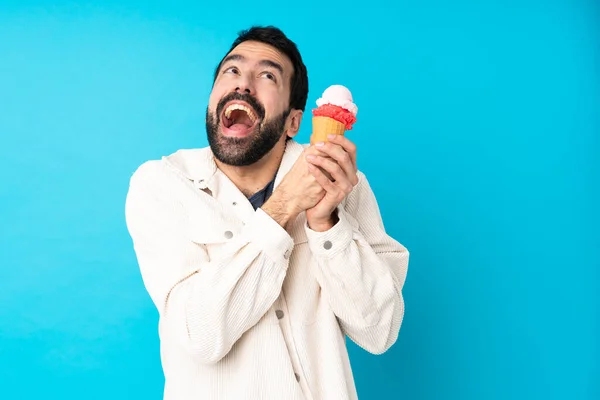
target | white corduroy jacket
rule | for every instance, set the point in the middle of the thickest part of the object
(248, 310)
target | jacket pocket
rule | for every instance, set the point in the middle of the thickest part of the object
(216, 234)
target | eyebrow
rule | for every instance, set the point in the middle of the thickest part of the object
(264, 63)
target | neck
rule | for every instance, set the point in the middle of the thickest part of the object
(252, 178)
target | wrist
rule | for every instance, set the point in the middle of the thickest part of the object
(280, 209)
(322, 225)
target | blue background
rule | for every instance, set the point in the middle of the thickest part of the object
(479, 129)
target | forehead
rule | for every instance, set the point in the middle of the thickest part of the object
(254, 52)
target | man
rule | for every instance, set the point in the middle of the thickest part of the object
(261, 254)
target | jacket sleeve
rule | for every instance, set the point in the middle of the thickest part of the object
(361, 271)
(204, 304)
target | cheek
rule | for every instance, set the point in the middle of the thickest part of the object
(219, 90)
(213, 100)
(273, 103)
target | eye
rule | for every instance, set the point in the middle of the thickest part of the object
(269, 75)
(232, 70)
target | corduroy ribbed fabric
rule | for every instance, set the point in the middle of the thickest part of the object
(248, 310)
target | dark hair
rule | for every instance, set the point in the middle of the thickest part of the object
(275, 37)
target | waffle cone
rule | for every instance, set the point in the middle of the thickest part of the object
(323, 126)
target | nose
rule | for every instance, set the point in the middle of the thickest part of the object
(244, 85)
(241, 89)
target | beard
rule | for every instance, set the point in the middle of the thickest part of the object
(240, 152)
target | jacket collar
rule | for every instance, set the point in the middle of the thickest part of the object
(198, 165)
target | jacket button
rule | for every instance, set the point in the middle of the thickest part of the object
(287, 254)
(327, 245)
(279, 314)
(228, 234)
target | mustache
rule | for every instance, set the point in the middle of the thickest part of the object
(253, 102)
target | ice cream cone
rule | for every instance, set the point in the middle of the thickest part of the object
(323, 126)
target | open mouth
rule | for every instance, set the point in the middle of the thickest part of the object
(238, 119)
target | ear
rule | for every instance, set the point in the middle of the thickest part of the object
(293, 122)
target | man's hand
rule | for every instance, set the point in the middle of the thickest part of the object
(297, 192)
(338, 160)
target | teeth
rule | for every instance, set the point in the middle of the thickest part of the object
(248, 111)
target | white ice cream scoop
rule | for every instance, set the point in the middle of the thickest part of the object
(340, 96)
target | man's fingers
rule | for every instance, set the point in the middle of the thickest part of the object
(321, 178)
(335, 192)
(333, 168)
(346, 144)
(342, 157)
(342, 184)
